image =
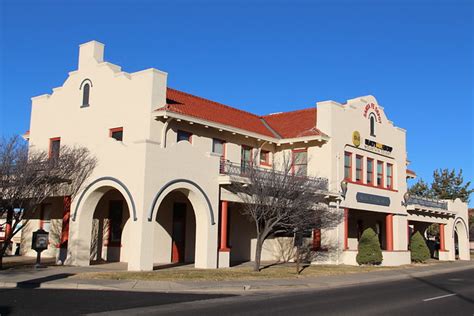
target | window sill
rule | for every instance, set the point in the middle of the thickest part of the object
(371, 186)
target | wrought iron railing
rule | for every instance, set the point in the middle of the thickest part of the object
(243, 170)
(427, 202)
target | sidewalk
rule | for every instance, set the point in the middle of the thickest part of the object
(59, 278)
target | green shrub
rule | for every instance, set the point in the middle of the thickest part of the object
(369, 248)
(418, 248)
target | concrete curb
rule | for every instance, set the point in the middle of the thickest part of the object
(240, 287)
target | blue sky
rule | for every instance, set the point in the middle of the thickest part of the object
(415, 57)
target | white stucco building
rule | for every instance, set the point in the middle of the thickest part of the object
(165, 158)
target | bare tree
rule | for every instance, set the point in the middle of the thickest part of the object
(29, 177)
(282, 199)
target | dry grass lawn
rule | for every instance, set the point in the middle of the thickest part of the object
(283, 271)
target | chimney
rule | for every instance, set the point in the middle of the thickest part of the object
(90, 53)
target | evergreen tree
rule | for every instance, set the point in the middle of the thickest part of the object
(420, 188)
(448, 185)
(418, 248)
(369, 251)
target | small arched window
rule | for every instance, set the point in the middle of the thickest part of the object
(85, 94)
(372, 125)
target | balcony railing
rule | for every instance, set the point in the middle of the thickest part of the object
(427, 202)
(233, 169)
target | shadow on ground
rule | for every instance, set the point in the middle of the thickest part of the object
(26, 301)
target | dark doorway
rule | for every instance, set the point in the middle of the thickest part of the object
(179, 233)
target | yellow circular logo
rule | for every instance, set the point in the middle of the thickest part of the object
(356, 138)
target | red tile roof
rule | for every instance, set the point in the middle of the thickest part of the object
(294, 124)
(286, 125)
(411, 172)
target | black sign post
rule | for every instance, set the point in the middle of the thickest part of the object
(39, 243)
(298, 242)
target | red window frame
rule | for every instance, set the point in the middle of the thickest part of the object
(381, 185)
(109, 242)
(370, 172)
(389, 176)
(50, 151)
(295, 151)
(114, 130)
(223, 146)
(265, 162)
(361, 170)
(190, 136)
(348, 154)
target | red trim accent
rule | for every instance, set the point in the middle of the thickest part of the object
(51, 140)
(372, 183)
(223, 146)
(316, 239)
(389, 231)
(390, 177)
(251, 153)
(346, 228)
(348, 154)
(361, 169)
(371, 186)
(115, 129)
(224, 219)
(266, 162)
(8, 225)
(381, 186)
(442, 242)
(66, 217)
(293, 152)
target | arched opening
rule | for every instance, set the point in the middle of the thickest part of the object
(430, 233)
(98, 233)
(85, 94)
(109, 219)
(372, 124)
(175, 236)
(461, 241)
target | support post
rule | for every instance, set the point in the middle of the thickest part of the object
(442, 240)
(65, 226)
(224, 251)
(389, 231)
(224, 218)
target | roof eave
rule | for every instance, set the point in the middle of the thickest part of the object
(170, 114)
(222, 127)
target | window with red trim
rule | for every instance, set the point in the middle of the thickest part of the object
(245, 158)
(389, 179)
(184, 136)
(380, 173)
(54, 147)
(370, 171)
(218, 146)
(265, 157)
(359, 168)
(347, 165)
(116, 133)
(300, 162)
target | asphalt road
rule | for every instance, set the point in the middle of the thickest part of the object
(444, 294)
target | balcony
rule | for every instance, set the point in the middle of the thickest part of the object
(232, 172)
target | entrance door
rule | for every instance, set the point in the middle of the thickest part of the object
(179, 232)
(245, 159)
